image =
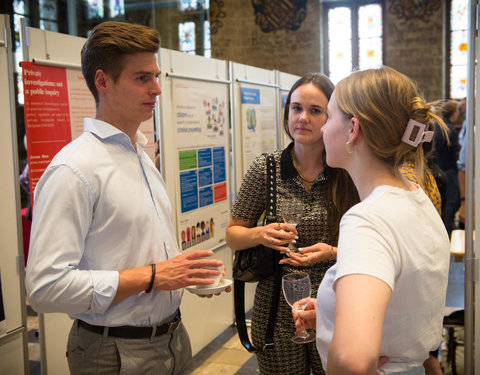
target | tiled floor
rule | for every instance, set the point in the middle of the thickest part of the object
(225, 355)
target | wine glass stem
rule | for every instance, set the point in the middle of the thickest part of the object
(303, 334)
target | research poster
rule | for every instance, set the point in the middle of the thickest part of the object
(3, 324)
(259, 119)
(201, 143)
(56, 101)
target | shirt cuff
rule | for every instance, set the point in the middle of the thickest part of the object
(105, 284)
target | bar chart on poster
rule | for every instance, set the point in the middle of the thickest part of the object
(195, 142)
(201, 123)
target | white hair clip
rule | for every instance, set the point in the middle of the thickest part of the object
(415, 133)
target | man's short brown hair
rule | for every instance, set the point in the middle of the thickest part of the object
(108, 44)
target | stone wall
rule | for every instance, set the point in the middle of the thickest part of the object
(413, 46)
(241, 40)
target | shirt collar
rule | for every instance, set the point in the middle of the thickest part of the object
(287, 169)
(104, 130)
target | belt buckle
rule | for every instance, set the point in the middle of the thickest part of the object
(173, 326)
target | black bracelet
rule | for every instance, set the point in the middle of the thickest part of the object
(150, 287)
(462, 199)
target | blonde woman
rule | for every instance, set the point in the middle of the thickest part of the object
(382, 304)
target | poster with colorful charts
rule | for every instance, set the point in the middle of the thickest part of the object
(201, 138)
(259, 121)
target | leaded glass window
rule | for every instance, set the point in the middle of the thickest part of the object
(370, 36)
(20, 9)
(186, 35)
(95, 9)
(354, 37)
(193, 4)
(339, 42)
(458, 48)
(117, 8)
(207, 46)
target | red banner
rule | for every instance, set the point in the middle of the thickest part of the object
(47, 118)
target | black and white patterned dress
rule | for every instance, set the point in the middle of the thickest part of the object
(287, 357)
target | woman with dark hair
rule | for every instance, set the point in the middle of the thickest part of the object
(325, 193)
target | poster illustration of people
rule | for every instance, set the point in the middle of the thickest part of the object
(201, 125)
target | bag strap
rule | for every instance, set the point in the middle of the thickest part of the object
(239, 286)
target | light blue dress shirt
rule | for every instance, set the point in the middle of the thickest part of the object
(100, 207)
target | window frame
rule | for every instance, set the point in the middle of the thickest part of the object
(353, 5)
(448, 45)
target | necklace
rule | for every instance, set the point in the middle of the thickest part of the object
(292, 154)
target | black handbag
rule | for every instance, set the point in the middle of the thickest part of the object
(258, 263)
(255, 264)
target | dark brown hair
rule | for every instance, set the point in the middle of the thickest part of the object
(341, 193)
(107, 46)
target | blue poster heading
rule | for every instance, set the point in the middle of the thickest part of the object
(250, 96)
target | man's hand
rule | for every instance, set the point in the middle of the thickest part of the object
(186, 270)
(227, 290)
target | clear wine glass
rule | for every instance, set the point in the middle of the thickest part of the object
(292, 211)
(296, 286)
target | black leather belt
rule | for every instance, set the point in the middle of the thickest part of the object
(131, 332)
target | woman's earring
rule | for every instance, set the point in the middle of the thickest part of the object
(348, 146)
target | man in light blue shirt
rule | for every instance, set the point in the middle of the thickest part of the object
(103, 248)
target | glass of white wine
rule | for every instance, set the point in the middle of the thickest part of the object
(296, 287)
(292, 211)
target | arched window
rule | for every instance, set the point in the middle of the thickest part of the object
(458, 49)
(194, 28)
(352, 36)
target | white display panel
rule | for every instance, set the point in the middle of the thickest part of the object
(195, 88)
(13, 349)
(245, 76)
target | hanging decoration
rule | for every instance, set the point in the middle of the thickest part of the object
(216, 14)
(407, 10)
(273, 15)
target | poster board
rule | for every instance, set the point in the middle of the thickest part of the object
(201, 122)
(13, 337)
(259, 109)
(195, 158)
(255, 123)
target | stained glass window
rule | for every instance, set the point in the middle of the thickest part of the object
(20, 9)
(186, 35)
(207, 46)
(117, 8)
(95, 9)
(193, 4)
(458, 49)
(370, 36)
(355, 37)
(48, 9)
(339, 42)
